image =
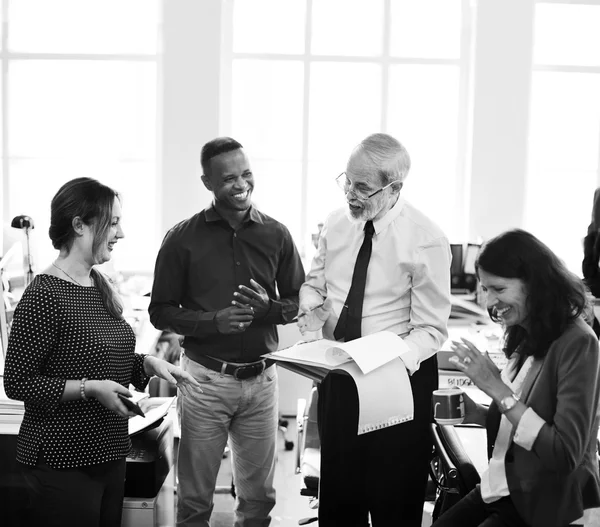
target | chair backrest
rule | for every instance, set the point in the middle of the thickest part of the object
(451, 469)
(312, 430)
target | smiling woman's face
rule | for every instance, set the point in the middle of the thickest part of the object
(506, 297)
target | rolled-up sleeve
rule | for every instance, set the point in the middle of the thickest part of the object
(314, 289)
(430, 304)
(528, 429)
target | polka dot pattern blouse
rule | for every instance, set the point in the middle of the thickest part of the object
(62, 331)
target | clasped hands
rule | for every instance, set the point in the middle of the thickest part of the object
(249, 304)
(312, 315)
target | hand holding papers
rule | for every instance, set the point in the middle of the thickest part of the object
(384, 391)
(368, 352)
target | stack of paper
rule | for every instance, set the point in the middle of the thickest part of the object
(369, 352)
(384, 390)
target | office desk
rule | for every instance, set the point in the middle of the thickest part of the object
(149, 484)
(150, 479)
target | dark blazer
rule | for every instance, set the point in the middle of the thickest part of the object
(553, 483)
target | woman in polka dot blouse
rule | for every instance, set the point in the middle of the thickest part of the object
(70, 353)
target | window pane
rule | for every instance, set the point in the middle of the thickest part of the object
(277, 191)
(91, 26)
(347, 27)
(82, 108)
(267, 107)
(269, 26)
(324, 194)
(423, 116)
(425, 28)
(33, 183)
(345, 107)
(558, 209)
(565, 121)
(567, 34)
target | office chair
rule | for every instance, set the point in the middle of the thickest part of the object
(450, 469)
(308, 452)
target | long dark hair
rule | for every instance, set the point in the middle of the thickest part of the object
(555, 296)
(92, 202)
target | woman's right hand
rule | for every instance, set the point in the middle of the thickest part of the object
(106, 392)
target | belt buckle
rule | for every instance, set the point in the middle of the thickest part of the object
(240, 369)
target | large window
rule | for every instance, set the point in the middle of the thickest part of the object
(564, 139)
(310, 79)
(79, 94)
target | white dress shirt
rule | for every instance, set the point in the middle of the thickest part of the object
(408, 278)
(493, 481)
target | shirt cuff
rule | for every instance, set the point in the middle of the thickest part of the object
(528, 429)
(410, 358)
(309, 296)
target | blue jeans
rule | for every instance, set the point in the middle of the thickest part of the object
(246, 413)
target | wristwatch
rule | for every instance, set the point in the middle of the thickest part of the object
(508, 403)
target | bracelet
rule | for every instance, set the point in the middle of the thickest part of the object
(82, 389)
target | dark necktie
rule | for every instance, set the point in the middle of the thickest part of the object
(348, 326)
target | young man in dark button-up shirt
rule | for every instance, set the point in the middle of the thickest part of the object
(223, 279)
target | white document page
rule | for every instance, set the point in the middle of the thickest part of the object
(385, 395)
(374, 350)
(315, 352)
(137, 423)
(368, 352)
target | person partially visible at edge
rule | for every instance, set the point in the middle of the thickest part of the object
(542, 424)
(70, 354)
(382, 473)
(224, 279)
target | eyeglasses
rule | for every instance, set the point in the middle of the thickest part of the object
(343, 182)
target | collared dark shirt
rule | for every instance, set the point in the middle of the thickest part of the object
(199, 266)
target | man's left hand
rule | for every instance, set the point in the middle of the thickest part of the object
(255, 297)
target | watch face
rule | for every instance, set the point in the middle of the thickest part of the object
(507, 403)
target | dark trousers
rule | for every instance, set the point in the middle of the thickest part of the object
(382, 473)
(471, 511)
(76, 497)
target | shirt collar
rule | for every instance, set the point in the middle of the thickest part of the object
(211, 214)
(390, 216)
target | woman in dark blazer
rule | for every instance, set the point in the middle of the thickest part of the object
(543, 422)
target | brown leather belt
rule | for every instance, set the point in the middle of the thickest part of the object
(238, 371)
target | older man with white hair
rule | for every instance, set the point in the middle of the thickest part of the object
(400, 283)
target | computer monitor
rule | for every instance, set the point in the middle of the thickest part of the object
(470, 278)
(462, 268)
(456, 267)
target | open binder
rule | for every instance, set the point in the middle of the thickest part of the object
(384, 390)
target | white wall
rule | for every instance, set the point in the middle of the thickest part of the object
(189, 104)
(500, 115)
